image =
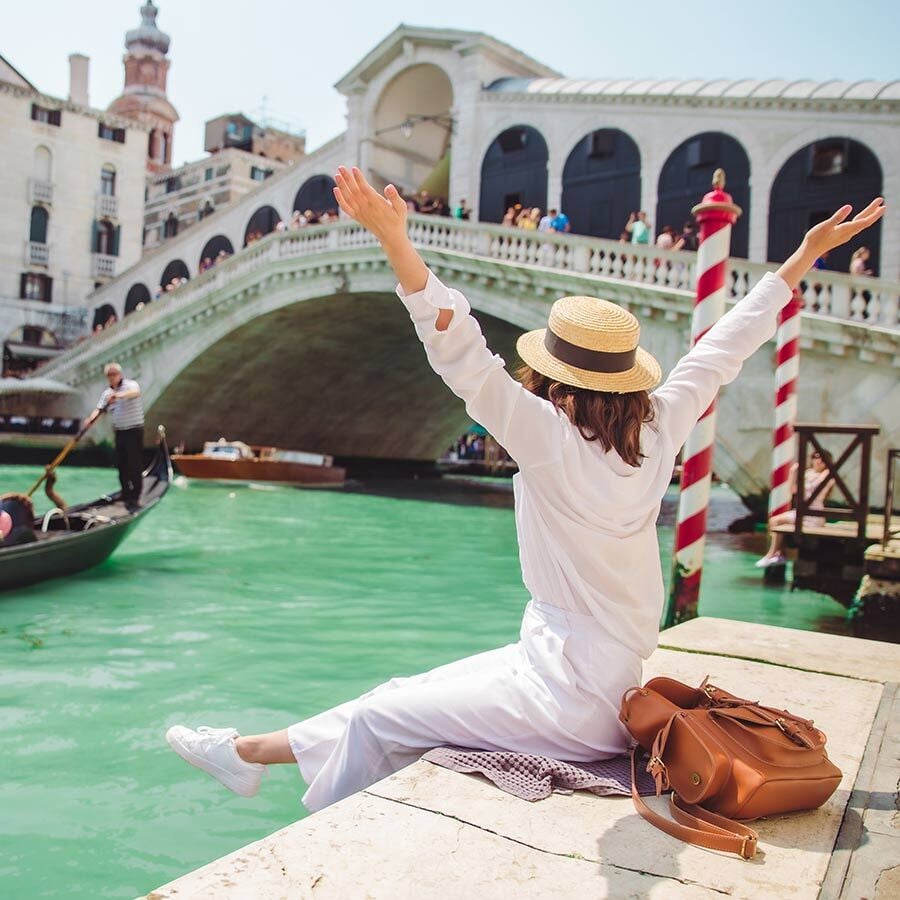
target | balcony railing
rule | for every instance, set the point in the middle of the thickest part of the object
(37, 254)
(107, 206)
(40, 191)
(103, 265)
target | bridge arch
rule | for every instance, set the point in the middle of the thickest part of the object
(602, 182)
(513, 170)
(261, 223)
(687, 175)
(812, 184)
(104, 315)
(231, 391)
(175, 269)
(137, 294)
(316, 194)
(412, 130)
(214, 246)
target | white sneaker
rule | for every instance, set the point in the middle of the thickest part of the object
(776, 559)
(214, 751)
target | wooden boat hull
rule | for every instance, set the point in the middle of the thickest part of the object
(67, 552)
(269, 471)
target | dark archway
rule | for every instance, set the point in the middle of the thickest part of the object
(316, 194)
(602, 183)
(687, 176)
(811, 185)
(137, 294)
(514, 170)
(262, 222)
(40, 218)
(368, 409)
(214, 246)
(103, 314)
(175, 269)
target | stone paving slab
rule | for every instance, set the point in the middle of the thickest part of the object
(832, 653)
(795, 849)
(426, 832)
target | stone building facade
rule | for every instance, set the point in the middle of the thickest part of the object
(71, 197)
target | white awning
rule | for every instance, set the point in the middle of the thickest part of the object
(36, 385)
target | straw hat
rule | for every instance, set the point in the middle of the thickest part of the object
(591, 343)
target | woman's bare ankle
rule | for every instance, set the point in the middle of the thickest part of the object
(248, 748)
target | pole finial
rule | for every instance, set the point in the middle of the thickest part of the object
(718, 179)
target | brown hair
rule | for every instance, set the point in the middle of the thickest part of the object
(615, 420)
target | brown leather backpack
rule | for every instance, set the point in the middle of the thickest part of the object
(725, 758)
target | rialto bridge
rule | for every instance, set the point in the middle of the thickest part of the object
(299, 341)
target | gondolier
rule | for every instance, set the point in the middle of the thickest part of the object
(122, 400)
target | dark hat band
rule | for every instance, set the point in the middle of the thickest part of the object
(589, 360)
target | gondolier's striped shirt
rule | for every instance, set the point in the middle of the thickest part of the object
(125, 413)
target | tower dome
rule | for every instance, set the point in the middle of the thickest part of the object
(144, 98)
(147, 35)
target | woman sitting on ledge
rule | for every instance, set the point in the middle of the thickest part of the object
(595, 452)
(817, 471)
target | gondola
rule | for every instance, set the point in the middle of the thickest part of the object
(85, 535)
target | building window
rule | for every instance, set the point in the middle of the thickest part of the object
(108, 133)
(39, 220)
(207, 210)
(165, 144)
(170, 226)
(829, 158)
(108, 180)
(47, 116)
(106, 238)
(173, 184)
(258, 174)
(208, 175)
(36, 287)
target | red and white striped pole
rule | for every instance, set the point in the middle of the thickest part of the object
(715, 215)
(784, 450)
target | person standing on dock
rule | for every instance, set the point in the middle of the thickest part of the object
(122, 400)
(595, 452)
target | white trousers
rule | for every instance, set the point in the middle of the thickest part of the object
(555, 692)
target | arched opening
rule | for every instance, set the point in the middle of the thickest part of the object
(687, 176)
(207, 210)
(106, 238)
(413, 131)
(152, 144)
(602, 183)
(215, 250)
(811, 185)
(261, 223)
(138, 297)
(108, 180)
(316, 194)
(174, 270)
(43, 164)
(514, 171)
(170, 226)
(104, 316)
(27, 347)
(40, 219)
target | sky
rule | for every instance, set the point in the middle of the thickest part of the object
(284, 56)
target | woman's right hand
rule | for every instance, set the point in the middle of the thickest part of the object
(383, 215)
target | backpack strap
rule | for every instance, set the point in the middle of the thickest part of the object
(695, 825)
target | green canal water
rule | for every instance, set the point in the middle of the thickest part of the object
(252, 608)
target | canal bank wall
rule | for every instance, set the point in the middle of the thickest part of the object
(426, 832)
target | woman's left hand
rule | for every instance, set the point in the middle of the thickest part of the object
(383, 215)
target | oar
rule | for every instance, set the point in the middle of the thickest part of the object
(64, 452)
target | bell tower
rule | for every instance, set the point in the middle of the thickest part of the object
(144, 96)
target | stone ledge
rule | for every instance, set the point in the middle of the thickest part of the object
(428, 832)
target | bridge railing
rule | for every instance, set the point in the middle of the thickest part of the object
(869, 301)
(872, 301)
